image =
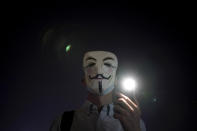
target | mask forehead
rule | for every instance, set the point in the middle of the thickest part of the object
(100, 56)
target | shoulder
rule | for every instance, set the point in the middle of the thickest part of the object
(64, 121)
(142, 125)
(55, 125)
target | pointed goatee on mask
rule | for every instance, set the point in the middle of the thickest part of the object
(100, 71)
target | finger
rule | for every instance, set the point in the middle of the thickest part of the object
(123, 104)
(122, 114)
(119, 116)
(119, 110)
(130, 102)
(126, 104)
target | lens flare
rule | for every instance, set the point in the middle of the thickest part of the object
(68, 47)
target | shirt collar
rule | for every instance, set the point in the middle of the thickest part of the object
(90, 108)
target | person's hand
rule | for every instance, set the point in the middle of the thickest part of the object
(128, 112)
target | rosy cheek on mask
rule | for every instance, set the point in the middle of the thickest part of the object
(89, 71)
(110, 70)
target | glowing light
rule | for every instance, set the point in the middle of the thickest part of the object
(154, 100)
(129, 84)
(68, 47)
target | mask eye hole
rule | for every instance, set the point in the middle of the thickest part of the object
(108, 64)
(91, 64)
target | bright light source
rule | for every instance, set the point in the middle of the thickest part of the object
(128, 84)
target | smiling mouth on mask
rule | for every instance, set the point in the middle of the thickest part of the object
(99, 76)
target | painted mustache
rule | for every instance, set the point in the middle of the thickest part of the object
(99, 76)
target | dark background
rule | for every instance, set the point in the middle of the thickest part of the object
(154, 41)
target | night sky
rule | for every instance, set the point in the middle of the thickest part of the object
(39, 80)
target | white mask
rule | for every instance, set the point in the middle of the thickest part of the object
(100, 71)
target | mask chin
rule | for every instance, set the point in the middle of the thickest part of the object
(108, 90)
(98, 89)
